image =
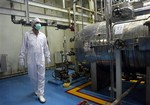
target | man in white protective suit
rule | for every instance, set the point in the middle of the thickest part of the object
(35, 46)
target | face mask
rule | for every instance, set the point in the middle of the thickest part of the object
(37, 26)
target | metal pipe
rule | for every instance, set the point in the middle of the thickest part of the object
(74, 17)
(27, 10)
(96, 18)
(146, 4)
(14, 20)
(48, 7)
(75, 32)
(107, 19)
(128, 21)
(13, 16)
(64, 5)
(82, 12)
(21, 13)
(102, 9)
(118, 100)
(86, 9)
(46, 32)
(108, 15)
(23, 22)
(142, 10)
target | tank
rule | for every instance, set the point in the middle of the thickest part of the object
(131, 37)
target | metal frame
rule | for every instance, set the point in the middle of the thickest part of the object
(21, 13)
(48, 7)
(28, 14)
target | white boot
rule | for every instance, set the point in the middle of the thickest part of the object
(42, 99)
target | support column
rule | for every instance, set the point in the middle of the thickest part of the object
(94, 73)
(27, 10)
(118, 73)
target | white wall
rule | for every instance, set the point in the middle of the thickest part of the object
(11, 37)
(10, 40)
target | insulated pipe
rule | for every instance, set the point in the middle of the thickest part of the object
(128, 21)
(108, 16)
(142, 10)
(117, 101)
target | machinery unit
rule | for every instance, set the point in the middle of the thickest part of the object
(131, 37)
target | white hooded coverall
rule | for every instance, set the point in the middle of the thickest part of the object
(37, 50)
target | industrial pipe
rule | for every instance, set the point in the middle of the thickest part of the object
(25, 23)
(128, 21)
(64, 5)
(27, 10)
(118, 100)
(74, 16)
(86, 9)
(102, 9)
(96, 18)
(21, 21)
(82, 12)
(54, 8)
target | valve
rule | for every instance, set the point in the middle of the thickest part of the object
(117, 12)
(119, 44)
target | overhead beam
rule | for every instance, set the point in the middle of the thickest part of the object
(21, 13)
(36, 4)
